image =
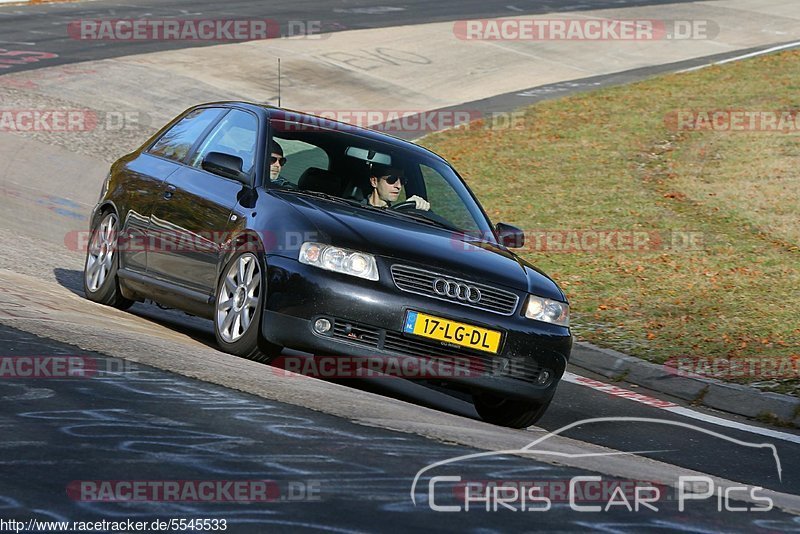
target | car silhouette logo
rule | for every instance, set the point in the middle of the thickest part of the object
(532, 449)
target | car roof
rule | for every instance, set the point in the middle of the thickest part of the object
(273, 112)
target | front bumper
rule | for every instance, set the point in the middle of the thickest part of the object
(368, 319)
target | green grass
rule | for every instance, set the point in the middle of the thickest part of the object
(609, 160)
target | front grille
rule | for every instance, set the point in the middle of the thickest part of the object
(520, 368)
(396, 342)
(423, 282)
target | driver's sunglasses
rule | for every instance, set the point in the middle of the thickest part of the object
(391, 179)
(274, 160)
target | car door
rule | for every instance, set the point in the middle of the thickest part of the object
(191, 222)
(144, 178)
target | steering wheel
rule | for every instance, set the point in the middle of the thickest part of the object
(405, 205)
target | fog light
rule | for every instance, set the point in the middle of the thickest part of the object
(544, 378)
(322, 326)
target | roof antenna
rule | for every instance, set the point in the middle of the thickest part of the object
(279, 82)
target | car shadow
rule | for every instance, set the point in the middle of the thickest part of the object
(70, 279)
(414, 392)
(194, 327)
(202, 331)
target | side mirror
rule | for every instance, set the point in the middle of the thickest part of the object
(225, 165)
(510, 236)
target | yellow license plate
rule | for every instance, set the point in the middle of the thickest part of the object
(464, 335)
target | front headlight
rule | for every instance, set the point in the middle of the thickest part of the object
(340, 260)
(546, 310)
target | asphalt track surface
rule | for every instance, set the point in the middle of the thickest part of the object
(153, 425)
(322, 473)
(44, 28)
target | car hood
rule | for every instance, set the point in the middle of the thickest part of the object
(406, 241)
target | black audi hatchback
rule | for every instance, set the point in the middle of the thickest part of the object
(272, 223)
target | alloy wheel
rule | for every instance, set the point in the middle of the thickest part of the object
(100, 259)
(238, 298)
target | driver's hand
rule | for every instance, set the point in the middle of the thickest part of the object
(422, 204)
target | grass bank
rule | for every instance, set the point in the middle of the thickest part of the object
(703, 258)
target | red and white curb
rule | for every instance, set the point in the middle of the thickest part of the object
(677, 409)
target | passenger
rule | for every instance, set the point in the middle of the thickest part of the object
(387, 182)
(276, 163)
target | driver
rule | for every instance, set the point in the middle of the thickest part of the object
(387, 182)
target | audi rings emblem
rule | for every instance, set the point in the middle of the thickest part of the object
(456, 290)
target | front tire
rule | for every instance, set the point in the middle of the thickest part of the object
(509, 412)
(100, 282)
(237, 309)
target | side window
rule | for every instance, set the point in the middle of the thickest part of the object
(236, 135)
(178, 140)
(299, 157)
(445, 200)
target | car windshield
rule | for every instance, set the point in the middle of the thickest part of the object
(336, 162)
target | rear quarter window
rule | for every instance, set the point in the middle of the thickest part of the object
(300, 156)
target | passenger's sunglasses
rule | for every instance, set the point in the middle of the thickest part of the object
(274, 160)
(391, 179)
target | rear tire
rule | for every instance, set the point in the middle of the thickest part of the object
(237, 309)
(100, 282)
(509, 412)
